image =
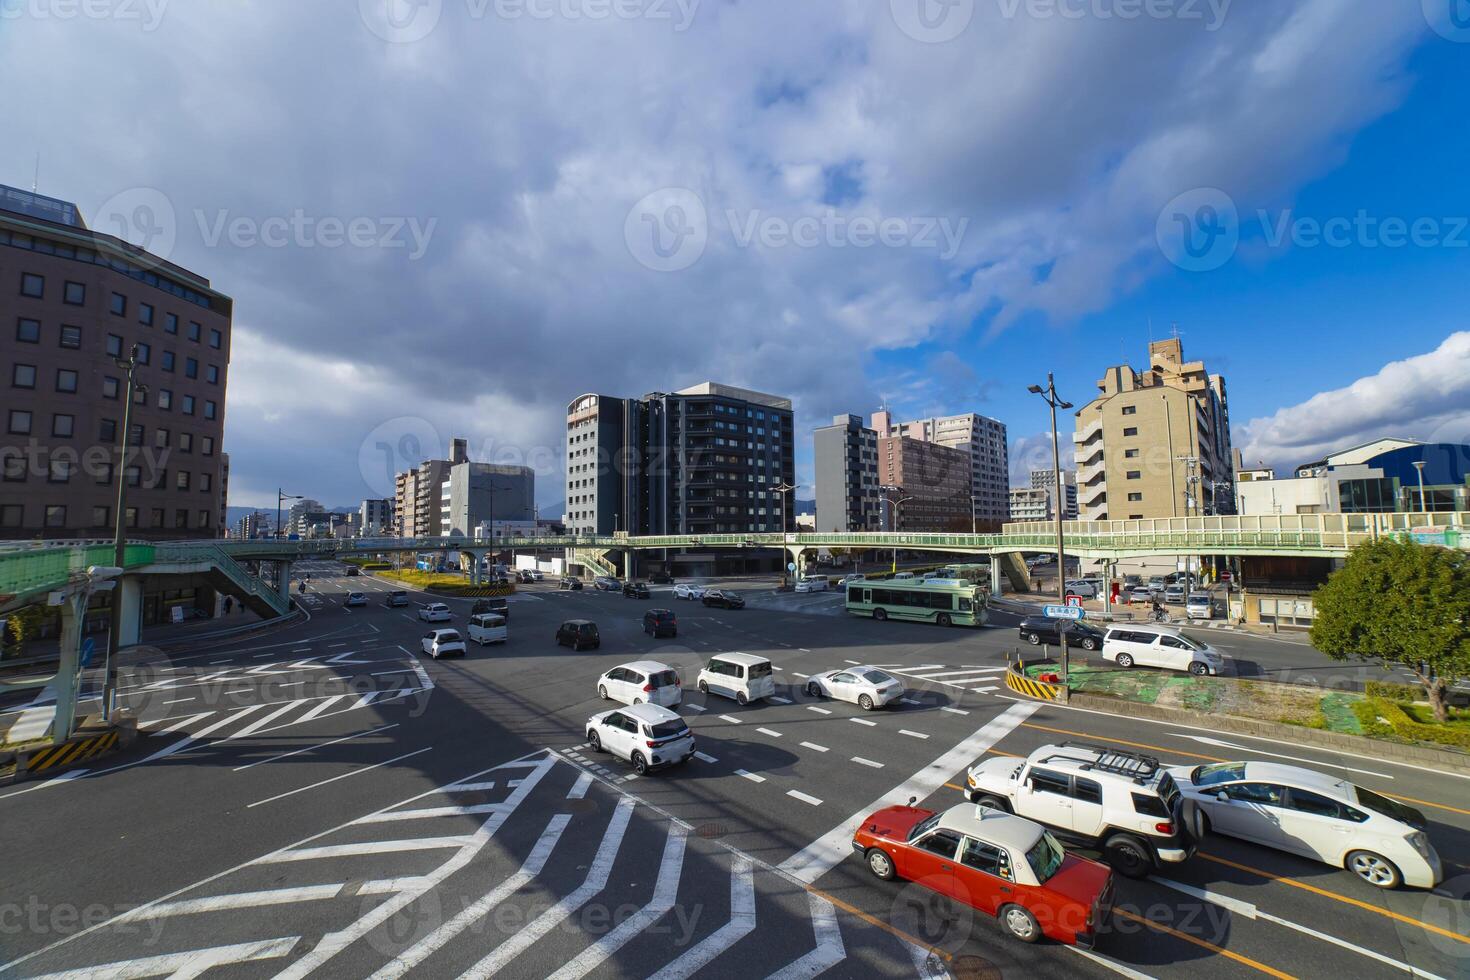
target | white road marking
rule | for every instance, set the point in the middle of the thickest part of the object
(779, 700)
(323, 706)
(863, 721)
(385, 673)
(702, 757)
(345, 775)
(741, 924)
(768, 731)
(984, 690)
(1105, 963)
(597, 874)
(824, 853)
(750, 776)
(75, 773)
(909, 701)
(473, 913)
(260, 723)
(580, 787)
(905, 731)
(867, 762)
(426, 813)
(1277, 755)
(732, 720)
(812, 800)
(313, 748)
(820, 711)
(800, 674)
(214, 663)
(366, 847)
(188, 964)
(694, 707)
(803, 649)
(665, 890)
(829, 951)
(961, 673)
(239, 900)
(954, 711)
(853, 662)
(468, 787)
(814, 746)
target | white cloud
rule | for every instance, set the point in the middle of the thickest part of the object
(1425, 397)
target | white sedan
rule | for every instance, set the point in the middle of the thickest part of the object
(866, 687)
(443, 643)
(435, 612)
(1316, 816)
(685, 591)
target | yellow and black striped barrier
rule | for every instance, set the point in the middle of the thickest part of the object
(1017, 681)
(60, 756)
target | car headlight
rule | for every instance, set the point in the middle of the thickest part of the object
(1419, 841)
(970, 779)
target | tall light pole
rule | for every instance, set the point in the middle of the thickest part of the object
(1055, 401)
(781, 490)
(282, 495)
(119, 543)
(1419, 468)
(894, 505)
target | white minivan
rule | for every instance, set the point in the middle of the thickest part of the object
(488, 628)
(641, 681)
(742, 676)
(1148, 645)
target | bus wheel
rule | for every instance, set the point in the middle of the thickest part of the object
(880, 614)
(943, 619)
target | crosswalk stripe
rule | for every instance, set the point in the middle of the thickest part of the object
(580, 787)
(323, 706)
(741, 924)
(366, 847)
(260, 723)
(186, 964)
(829, 951)
(240, 900)
(597, 874)
(424, 813)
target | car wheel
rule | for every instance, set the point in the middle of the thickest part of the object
(1375, 869)
(740, 698)
(994, 802)
(1125, 660)
(880, 614)
(1033, 638)
(595, 741)
(881, 864)
(703, 687)
(640, 765)
(813, 691)
(865, 702)
(943, 619)
(637, 700)
(1198, 669)
(1020, 923)
(1127, 856)
(602, 691)
(1089, 644)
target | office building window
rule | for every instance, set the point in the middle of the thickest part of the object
(74, 294)
(209, 409)
(114, 345)
(12, 515)
(204, 518)
(28, 331)
(59, 471)
(55, 515)
(20, 422)
(165, 399)
(1130, 431)
(118, 304)
(135, 434)
(66, 381)
(71, 338)
(1130, 409)
(160, 479)
(194, 331)
(140, 396)
(1134, 498)
(205, 482)
(187, 405)
(107, 431)
(216, 339)
(144, 353)
(181, 519)
(1135, 475)
(1130, 454)
(101, 516)
(23, 376)
(171, 323)
(131, 516)
(109, 387)
(181, 480)
(211, 374)
(207, 445)
(14, 467)
(104, 475)
(186, 442)
(155, 515)
(32, 285)
(160, 438)
(145, 314)
(168, 360)
(134, 476)
(191, 367)
(63, 426)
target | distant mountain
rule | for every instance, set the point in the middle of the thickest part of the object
(552, 512)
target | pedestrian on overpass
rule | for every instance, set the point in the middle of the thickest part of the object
(229, 603)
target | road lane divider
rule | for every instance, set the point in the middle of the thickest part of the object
(1204, 944)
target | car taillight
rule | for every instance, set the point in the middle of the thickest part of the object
(651, 744)
(1167, 827)
(678, 682)
(647, 688)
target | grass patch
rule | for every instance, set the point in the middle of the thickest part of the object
(1339, 714)
(425, 580)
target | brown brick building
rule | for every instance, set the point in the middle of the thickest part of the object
(71, 301)
(936, 477)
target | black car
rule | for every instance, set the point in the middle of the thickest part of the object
(635, 590)
(723, 598)
(353, 570)
(660, 622)
(398, 597)
(661, 578)
(525, 576)
(493, 604)
(578, 633)
(575, 584)
(1036, 630)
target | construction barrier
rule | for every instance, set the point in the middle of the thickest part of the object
(1017, 681)
(63, 755)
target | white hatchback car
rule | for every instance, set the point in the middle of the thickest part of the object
(647, 735)
(640, 681)
(1317, 816)
(443, 643)
(685, 591)
(1149, 645)
(1199, 606)
(435, 612)
(866, 687)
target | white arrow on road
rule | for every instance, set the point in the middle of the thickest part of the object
(1276, 755)
(343, 658)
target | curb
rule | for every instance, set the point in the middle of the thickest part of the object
(1034, 689)
(233, 632)
(93, 739)
(1359, 745)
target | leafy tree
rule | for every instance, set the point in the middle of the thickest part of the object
(1400, 604)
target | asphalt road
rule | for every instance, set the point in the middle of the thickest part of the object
(323, 801)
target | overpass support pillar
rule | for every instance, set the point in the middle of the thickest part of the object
(73, 615)
(797, 553)
(995, 574)
(630, 565)
(129, 596)
(283, 580)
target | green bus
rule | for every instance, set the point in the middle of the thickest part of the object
(948, 602)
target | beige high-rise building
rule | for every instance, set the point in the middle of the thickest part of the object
(1155, 443)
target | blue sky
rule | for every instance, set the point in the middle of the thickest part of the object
(841, 202)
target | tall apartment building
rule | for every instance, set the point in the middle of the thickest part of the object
(1155, 443)
(1046, 479)
(405, 493)
(935, 482)
(485, 493)
(705, 459)
(254, 525)
(846, 457)
(72, 302)
(983, 439)
(375, 517)
(418, 494)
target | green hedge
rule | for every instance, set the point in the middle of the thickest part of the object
(1400, 724)
(1390, 691)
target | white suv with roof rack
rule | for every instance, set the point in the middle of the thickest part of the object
(1122, 803)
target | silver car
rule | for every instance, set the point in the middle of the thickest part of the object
(866, 687)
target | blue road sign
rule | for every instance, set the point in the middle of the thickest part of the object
(89, 647)
(1062, 612)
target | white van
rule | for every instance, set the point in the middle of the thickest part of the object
(742, 676)
(487, 628)
(812, 583)
(903, 576)
(1148, 645)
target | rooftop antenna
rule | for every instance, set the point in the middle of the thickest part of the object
(36, 179)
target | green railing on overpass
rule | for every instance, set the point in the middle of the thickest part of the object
(28, 570)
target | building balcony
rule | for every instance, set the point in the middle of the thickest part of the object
(1088, 432)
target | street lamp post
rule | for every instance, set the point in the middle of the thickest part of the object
(1419, 468)
(895, 505)
(1054, 401)
(781, 490)
(282, 495)
(119, 544)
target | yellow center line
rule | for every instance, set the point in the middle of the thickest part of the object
(1357, 903)
(1204, 944)
(874, 921)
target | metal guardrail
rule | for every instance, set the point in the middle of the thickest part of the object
(23, 571)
